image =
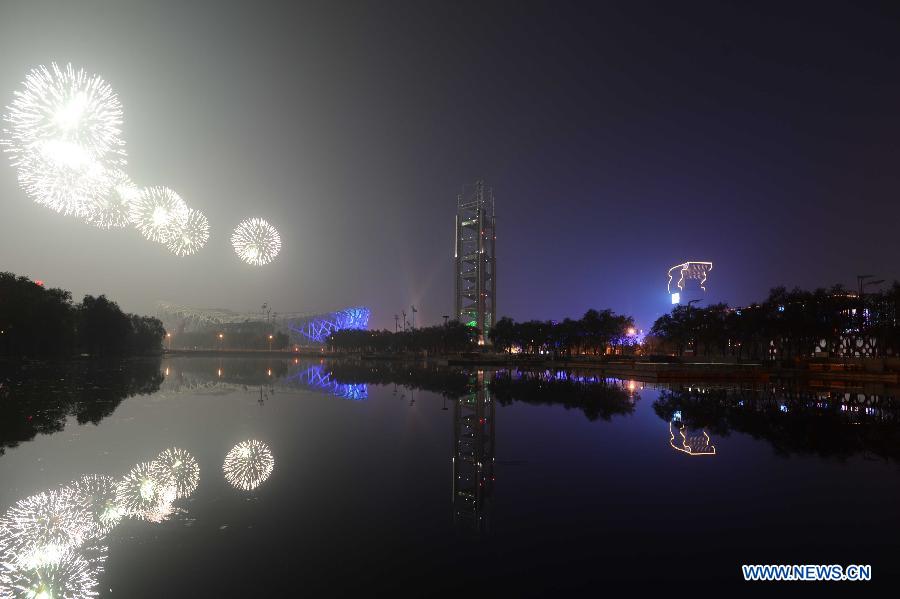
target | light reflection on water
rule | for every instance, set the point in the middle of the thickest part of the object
(572, 450)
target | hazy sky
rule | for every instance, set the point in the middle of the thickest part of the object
(620, 138)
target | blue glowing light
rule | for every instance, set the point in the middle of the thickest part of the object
(318, 328)
(316, 377)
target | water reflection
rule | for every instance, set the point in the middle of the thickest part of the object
(39, 397)
(689, 441)
(52, 544)
(473, 455)
(266, 377)
(596, 396)
(248, 464)
(792, 419)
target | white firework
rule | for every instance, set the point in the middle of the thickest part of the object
(69, 106)
(63, 177)
(97, 494)
(63, 130)
(112, 208)
(256, 242)
(248, 464)
(157, 213)
(141, 493)
(192, 233)
(178, 469)
(39, 529)
(75, 575)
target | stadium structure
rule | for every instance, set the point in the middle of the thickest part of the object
(302, 328)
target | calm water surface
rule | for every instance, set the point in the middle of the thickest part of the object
(385, 478)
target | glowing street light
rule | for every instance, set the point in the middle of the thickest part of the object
(270, 342)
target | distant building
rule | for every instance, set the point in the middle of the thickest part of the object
(475, 295)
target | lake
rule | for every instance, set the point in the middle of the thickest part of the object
(213, 477)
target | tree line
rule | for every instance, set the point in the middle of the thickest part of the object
(787, 324)
(36, 322)
(596, 333)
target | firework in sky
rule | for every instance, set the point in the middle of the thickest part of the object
(191, 234)
(62, 132)
(112, 208)
(256, 242)
(157, 213)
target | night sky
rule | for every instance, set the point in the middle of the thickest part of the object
(619, 138)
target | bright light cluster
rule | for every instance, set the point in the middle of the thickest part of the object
(248, 464)
(256, 242)
(52, 544)
(63, 134)
(319, 328)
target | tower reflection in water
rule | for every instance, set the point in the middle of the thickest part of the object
(473, 456)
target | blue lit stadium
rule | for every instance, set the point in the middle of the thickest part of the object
(317, 328)
(303, 328)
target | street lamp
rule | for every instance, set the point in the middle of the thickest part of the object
(169, 340)
(270, 342)
(221, 341)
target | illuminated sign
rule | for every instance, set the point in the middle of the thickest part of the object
(698, 271)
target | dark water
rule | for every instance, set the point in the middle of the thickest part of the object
(414, 480)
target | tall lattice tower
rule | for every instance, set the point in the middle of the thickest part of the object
(476, 264)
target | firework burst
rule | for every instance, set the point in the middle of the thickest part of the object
(39, 529)
(97, 494)
(74, 575)
(112, 208)
(179, 470)
(63, 130)
(256, 242)
(157, 213)
(142, 494)
(192, 233)
(68, 106)
(248, 464)
(63, 177)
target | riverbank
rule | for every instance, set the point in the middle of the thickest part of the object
(660, 369)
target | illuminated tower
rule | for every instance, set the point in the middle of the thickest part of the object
(473, 456)
(475, 299)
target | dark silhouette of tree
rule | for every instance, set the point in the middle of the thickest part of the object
(38, 322)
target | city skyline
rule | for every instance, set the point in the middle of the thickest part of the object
(607, 169)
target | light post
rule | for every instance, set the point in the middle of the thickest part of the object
(169, 340)
(221, 341)
(270, 342)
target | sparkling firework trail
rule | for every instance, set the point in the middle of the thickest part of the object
(63, 178)
(39, 529)
(63, 131)
(177, 469)
(142, 494)
(158, 212)
(97, 494)
(256, 242)
(74, 575)
(112, 209)
(192, 234)
(248, 464)
(65, 106)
